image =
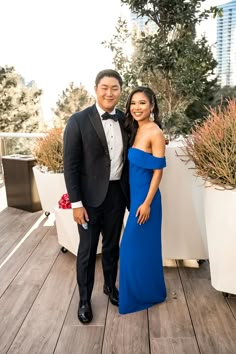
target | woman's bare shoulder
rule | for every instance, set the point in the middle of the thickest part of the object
(156, 132)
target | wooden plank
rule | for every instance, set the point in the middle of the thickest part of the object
(20, 295)
(8, 215)
(41, 328)
(214, 325)
(14, 225)
(80, 340)
(169, 322)
(174, 346)
(9, 270)
(232, 304)
(77, 338)
(15, 219)
(126, 334)
(8, 241)
(9, 211)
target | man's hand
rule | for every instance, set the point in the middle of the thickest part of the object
(80, 215)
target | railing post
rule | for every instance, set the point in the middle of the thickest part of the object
(2, 146)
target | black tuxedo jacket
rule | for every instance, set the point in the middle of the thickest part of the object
(87, 160)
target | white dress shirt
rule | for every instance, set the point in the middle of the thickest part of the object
(115, 147)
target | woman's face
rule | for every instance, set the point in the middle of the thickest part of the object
(140, 107)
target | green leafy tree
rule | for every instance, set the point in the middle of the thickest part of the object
(73, 99)
(19, 103)
(199, 109)
(170, 60)
(124, 65)
(222, 96)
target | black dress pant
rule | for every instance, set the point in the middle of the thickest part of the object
(106, 219)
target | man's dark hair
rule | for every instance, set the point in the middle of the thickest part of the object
(108, 73)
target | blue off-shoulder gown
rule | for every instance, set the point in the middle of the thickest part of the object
(141, 279)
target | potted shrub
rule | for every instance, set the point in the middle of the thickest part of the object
(48, 172)
(212, 148)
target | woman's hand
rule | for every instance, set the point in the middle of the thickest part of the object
(143, 213)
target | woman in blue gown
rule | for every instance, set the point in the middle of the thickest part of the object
(141, 279)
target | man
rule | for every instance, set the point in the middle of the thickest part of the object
(96, 176)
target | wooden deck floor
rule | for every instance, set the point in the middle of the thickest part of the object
(39, 299)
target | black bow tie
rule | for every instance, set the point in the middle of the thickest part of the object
(107, 115)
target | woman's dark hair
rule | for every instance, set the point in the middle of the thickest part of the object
(130, 124)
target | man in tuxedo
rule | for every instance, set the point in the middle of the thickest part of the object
(96, 176)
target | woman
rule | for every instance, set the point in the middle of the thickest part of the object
(141, 280)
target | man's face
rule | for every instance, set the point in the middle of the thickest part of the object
(108, 92)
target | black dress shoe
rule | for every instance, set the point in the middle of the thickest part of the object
(85, 314)
(112, 293)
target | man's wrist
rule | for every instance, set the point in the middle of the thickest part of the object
(78, 204)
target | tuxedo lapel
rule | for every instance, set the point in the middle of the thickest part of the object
(97, 124)
(95, 120)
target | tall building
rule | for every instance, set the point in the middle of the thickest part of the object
(142, 23)
(226, 44)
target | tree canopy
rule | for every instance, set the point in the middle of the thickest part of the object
(19, 103)
(170, 59)
(73, 99)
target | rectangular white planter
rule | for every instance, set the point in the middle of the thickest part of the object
(220, 216)
(67, 231)
(51, 187)
(183, 224)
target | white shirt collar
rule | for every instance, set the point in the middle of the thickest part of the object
(101, 111)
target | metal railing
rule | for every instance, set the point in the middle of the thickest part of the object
(17, 144)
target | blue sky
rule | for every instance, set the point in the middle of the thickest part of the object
(56, 42)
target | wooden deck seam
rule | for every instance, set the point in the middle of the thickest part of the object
(39, 289)
(104, 328)
(63, 323)
(188, 307)
(148, 328)
(17, 241)
(23, 264)
(231, 309)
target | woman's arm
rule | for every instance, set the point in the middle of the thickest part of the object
(158, 150)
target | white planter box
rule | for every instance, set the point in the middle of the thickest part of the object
(220, 216)
(183, 224)
(67, 231)
(51, 187)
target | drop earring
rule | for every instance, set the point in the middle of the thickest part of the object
(151, 118)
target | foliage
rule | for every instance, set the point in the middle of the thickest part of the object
(123, 64)
(212, 146)
(170, 59)
(170, 14)
(19, 103)
(73, 99)
(222, 96)
(48, 151)
(198, 110)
